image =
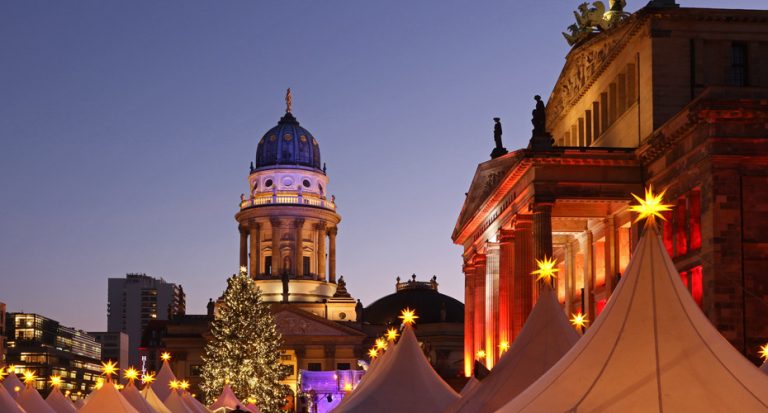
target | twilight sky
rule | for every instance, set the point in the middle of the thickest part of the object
(127, 128)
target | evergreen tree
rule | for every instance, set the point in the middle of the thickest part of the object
(244, 350)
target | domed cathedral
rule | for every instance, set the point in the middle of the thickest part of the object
(288, 224)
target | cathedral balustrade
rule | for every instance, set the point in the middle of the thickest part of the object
(288, 199)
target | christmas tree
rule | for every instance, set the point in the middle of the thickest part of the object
(244, 350)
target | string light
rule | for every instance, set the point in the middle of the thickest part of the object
(408, 316)
(579, 320)
(650, 207)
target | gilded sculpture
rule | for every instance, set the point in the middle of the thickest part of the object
(594, 18)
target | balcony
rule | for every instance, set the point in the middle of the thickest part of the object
(288, 198)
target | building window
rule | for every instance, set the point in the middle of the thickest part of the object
(667, 237)
(268, 265)
(697, 285)
(694, 218)
(681, 241)
(739, 64)
(342, 366)
(684, 278)
(306, 264)
(314, 366)
(195, 370)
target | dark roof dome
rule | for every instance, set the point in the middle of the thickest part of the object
(288, 145)
(430, 305)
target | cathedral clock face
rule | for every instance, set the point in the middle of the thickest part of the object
(306, 183)
(268, 183)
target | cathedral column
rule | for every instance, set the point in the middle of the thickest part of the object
(332, 254)
(243, 247)
(255, 249)
(479, 319)
(469, 314)
(506, 275)
(321, 234)
(277, 260)
(298, 251)
(523, 285)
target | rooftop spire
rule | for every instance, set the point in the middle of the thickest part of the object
(288, 101)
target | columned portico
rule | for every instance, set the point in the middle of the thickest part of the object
(255, 239)
(522, 294)
(332, 255)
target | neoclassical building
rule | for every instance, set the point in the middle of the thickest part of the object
(671, 97)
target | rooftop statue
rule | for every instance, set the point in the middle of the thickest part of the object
(540, 139)
(499, 150)
(595, 18)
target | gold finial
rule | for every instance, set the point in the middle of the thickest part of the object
(288, 101)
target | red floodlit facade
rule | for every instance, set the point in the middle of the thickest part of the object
(673, 97)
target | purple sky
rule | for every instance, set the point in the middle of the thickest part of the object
(126, 130)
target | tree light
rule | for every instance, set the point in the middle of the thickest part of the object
(392, 334)
(579, 320)
(546, 269)
(408, 316)
(650, 207)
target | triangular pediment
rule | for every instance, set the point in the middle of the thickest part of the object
(292, 321)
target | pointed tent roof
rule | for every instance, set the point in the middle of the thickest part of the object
(404, 382)
(193, 404)
(11, 382)
(764, 367)
(176, 404)
(651, 350)
(79, 403)
(471, 384)
(7, 404)
(546, 336)
(32, 402)
(252, 407)
(59, 403)
(153, 400)
(226, 401)
(134, 397)
(369, 376)
(107, 399)
(162, 384)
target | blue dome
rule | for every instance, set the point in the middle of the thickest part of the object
(287, 145)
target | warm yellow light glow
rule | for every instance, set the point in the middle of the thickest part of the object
(251, 400)
(408, 316)
(650, 207)
(764, 352)
(4, 373)
(546, 269)
(504, 346)
(148, 378)
(165, 356)
(99, 383)
(109, 368)
(480, 354)
(55, 381)
(579, 320)
(174, 384)
(392, 334)
(17, 389)
(347, 386)
(373, 353)
(29, 377)
(184, 385)
(131, 374)
(381, 344)
(119, 386)
(243, 270)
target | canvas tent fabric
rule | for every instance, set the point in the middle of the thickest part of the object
(32, 402)
(404, 382)
(252, 408)
(134, 397)
(59, 403)
(193, 404)
(469, 386)
(369, 375)
(176, 404)
(107, 399)
(151, 397)
(162, 383)
(11, 382)
(764, 367)
(7, 404)
(226, 401)
(651, 350)
(79, 403)
(546, 336)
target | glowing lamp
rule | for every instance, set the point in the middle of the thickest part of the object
(480, 354)
(109, 368)
(17, 389)
(504, 346)
(650, 207)
(408, 316)
(55, 381)
(373, 353)
(546, 269)
(381, 344)
(148, 378)
(29, 377)
(392, 334)
(165, 356)
(579, 320)
(131, 374)
(764, 352)
(347, 386)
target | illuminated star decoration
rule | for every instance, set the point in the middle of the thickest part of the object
(148, 378)
(546, 269)
(408, 316)
(243, 270)
(29, 377)
(55, 381)
(174, 384)
(131, 374)
(347, 386)
(579, 320)
(373, 353)
(165, 356)
(184, 385)
(99, 383)
(381, 344)
(4, 373)
(392, 334)
(504, 346)
(764, 352)
(481, 354)
(108, 369)
(650, 207)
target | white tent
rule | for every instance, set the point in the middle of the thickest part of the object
(227, 401)
(79, 403)
(469, 386)
(546, 336)
(32, 402)
(11, 382)
(151, 397)
(107, 399)
(134, 397)
(193, 403)
(252, 408)
(7, 404)
(59, 403)
(404, 382)
(369, 375)
(162, 385)
(176, 404)
(651, 350)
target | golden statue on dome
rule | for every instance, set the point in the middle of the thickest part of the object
(288, 101)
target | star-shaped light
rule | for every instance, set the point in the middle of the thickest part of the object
(4, 373)
(480, 354)
(381, 344)
(109, 368)
(184, 385)
(392, 334)
(55, 381)
(29, 377)
(131, 374)
(99, 383)
(650, 207)
(764, 352)
(147, 378)
(408, 316)
(165, 356)
(373, 353)
(579, 320)
(243, 270)
(504, 346)
(174, 384)
(546, 269)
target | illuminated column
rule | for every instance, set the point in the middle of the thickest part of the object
(506, 274)
(542, 235)
(522, 297)
(610, 253)
(569, 277)
(589, 273)
(479, 321)
(332, 254)
(469, 314)
(277, 261)
(321, 234)
(491, 303)
(298, 250)
(255, 249)
(243, 247)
